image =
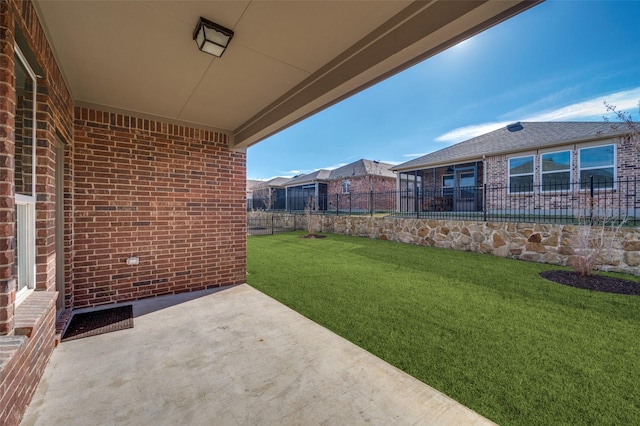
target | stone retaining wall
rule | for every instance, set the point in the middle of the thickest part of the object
(546, 243)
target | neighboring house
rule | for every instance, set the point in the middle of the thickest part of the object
(521, 159)
(362, 176)
(310, 188)
(270, 194)
(349, 187)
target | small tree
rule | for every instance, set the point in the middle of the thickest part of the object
(308, 212)
(625, 120)
(596, 233)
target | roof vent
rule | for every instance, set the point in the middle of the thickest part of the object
(515, 127)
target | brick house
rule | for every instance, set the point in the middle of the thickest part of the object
(119, 138)
(349, 186)
(522, 161)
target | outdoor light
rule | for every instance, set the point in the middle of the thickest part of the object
(212, 38)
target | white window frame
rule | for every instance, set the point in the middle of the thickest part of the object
(542, 172)
(25, 221)
(614, 165)
(346, 187)
(532, 174)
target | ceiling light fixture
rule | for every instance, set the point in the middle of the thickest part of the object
(212, 38)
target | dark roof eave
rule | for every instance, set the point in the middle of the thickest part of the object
(439, 164)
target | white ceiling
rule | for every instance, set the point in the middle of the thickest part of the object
(287, 60)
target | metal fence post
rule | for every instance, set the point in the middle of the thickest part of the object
(371, 202)
(337, 204)
(484, 201)
(272, 224)
(591, 199)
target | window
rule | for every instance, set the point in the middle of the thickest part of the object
(599, 162)
(555, 171)
(24, 176)
(448, 184)
(521, 174)
(467, 185)
(346, 186)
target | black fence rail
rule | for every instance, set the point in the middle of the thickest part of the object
(597, 201)
(273, 225)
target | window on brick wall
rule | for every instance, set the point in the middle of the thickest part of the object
(24, 175)
(521, 174)
(346, 186)
(599, 162)
(555, 171)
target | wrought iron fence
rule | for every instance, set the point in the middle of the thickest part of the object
(272, 225)
(560, 202)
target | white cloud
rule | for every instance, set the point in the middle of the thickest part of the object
(589, 110)
(468, 132)
(415, 155)
(592, 108)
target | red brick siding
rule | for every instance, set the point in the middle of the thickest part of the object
(7, 151)
(23, 362)
(363, 184)
(27, 357)
(628, 167)
(359, 197)
(170, 195)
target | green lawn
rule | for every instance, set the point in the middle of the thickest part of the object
(487, 331)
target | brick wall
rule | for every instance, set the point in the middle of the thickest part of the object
(359, 196)
(24, 356)
(170, 195)
(7, 151)
(363, 184)
(628, 167)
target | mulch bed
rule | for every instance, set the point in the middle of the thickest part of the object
(313, 236)
(593, 282)
(99, 322)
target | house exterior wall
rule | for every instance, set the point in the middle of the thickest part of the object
(358, 198)
(27, 332)
(363, 184)
(627, 167)
(170, 195)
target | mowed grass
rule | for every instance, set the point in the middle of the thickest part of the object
(487, 331)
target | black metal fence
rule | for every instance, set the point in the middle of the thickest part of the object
(271, 225)
(559, 203)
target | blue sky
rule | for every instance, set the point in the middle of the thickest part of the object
(559, 61)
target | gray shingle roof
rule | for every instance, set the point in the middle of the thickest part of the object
(362, 168)
(251, 184)
(357, 168)
(318, 175)
(272, 183)
(502, 141)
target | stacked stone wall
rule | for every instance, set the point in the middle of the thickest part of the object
(545, 243)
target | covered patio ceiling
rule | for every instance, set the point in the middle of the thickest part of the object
(287, 60)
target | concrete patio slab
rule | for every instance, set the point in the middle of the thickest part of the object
(232, 357)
